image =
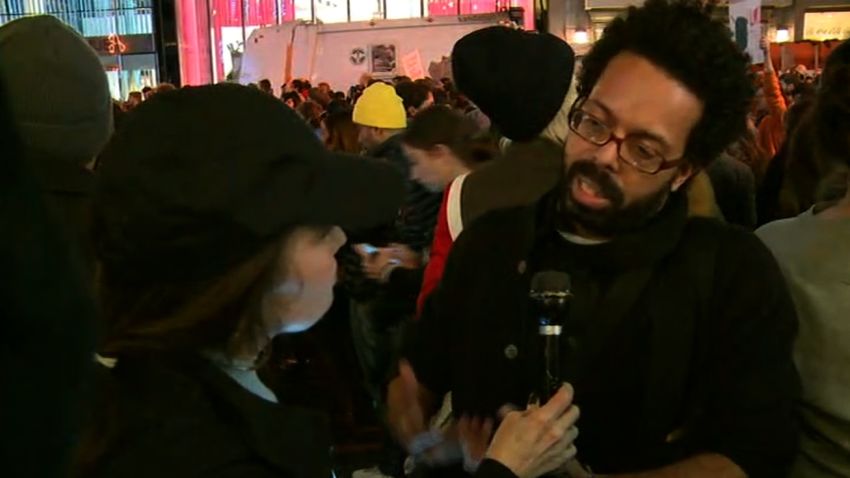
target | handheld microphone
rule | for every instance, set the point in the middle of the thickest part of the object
(550, 295)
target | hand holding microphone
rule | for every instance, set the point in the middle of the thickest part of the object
(530, 443)
(538, 440)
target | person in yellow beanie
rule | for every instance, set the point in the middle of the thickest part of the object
(380, 115)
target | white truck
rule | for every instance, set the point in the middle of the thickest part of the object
(341, 53)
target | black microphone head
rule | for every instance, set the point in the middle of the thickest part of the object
(550, 296)
(550, 293)
(550, 282)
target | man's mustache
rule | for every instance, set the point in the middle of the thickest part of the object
(605, 184)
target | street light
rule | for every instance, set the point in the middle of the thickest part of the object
(580, 37)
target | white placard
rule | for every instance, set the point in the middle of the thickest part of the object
(745, 22)
(412, 64)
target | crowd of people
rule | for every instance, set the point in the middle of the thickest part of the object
(699, 204)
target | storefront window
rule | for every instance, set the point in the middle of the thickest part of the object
(365, 10)
(227, 35)
(399, 9)
(331, 11)
(472, 7)
(303, 9)
(442, 7)
(195, 48)
(259, 13)
(475, 7)
(134, 73)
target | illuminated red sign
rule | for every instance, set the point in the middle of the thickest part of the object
(114, 44)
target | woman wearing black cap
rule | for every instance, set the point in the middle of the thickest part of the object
(217, 217)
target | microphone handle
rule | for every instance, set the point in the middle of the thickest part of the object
(550, 336)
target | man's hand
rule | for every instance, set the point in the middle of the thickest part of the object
(408, 258)
(474, 434)
(768, 60)
(378, 264)
(406, 413)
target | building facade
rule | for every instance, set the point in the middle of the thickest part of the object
(121, 31)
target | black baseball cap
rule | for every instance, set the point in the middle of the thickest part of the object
(199, 179)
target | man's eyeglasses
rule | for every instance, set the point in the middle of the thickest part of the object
(631, 150)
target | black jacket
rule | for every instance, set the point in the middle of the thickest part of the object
(47, 321)
(418, 216)
(734, 190)
(184, 417)
(679, 339)
(68, 189)
(413, 227)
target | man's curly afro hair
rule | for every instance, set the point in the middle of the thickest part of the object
(681, 38)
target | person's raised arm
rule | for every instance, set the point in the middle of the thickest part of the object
(772, 90)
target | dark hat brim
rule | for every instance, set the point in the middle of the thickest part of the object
(201, 178)
(356, 193)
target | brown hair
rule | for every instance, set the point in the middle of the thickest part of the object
(220, 313)
(412, 94)
(440, 125)
(312, 113)
(342, 133)
(165, 87)
(183, 316)
(320, 97)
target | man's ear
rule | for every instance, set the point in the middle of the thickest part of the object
(683, 174)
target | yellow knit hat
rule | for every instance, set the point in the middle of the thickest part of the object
(380, 107)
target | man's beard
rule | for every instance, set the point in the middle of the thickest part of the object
(615, 219)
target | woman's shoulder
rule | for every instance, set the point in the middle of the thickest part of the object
(166, 420)
(163, 386)
(190, 416)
